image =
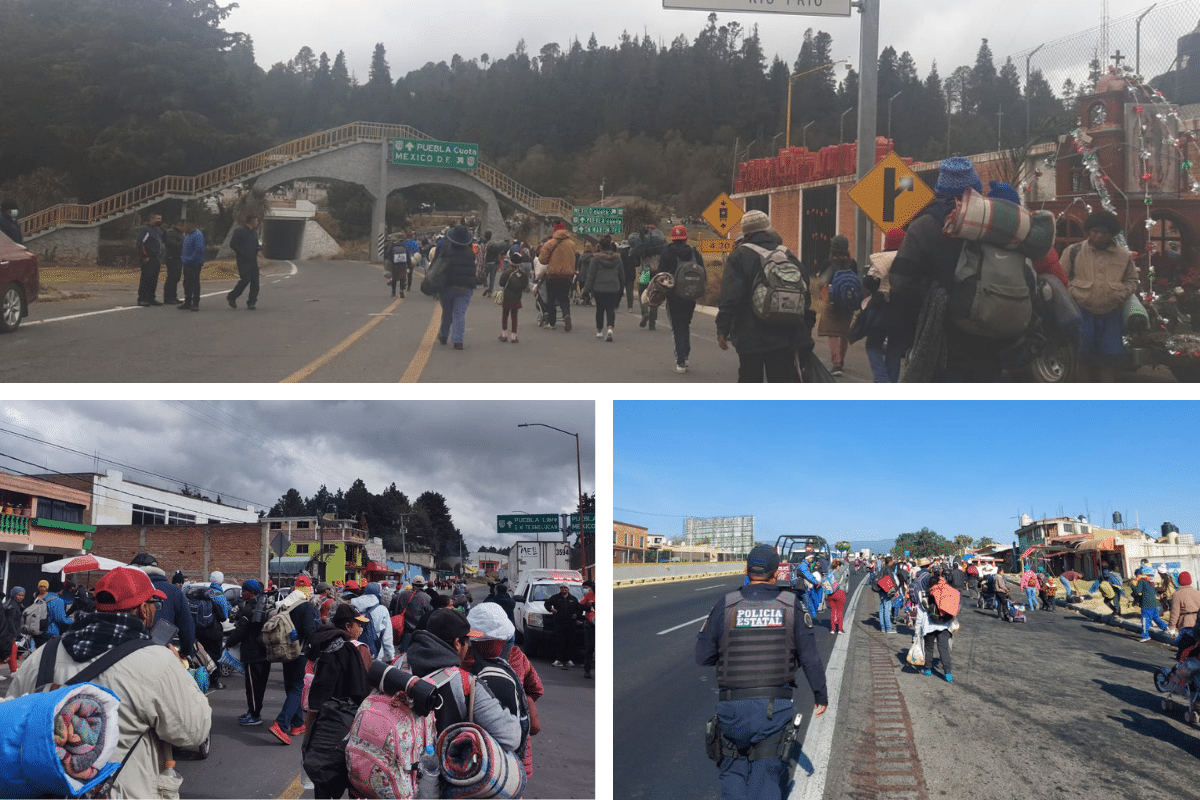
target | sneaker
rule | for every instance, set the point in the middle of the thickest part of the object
(556, 663)
(587, 673)
(949, 678)
(836, 372)
(504, 336)
(644, 322)
(513, 338)
(1144, 639)
(599, 334)
(567, 324)
(298, 731)
(608, 335)
(278, 733)
(458, 346)
(231, 301)
(250, 306)
(249, 719)
(926, 672)
(680, 368)
(443, 339)
(548, 326)
(571, 664)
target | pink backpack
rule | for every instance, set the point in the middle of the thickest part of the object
(386, 741)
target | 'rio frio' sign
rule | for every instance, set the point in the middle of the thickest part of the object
(812, 8)
(427, 153)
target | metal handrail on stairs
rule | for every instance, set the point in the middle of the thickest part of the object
(177, 186)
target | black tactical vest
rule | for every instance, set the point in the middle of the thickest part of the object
(758, 642)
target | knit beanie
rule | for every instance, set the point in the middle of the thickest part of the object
(1185, 579)
(216, 576)
(1003, 191)
(893, 239)
(839, 244)
(955, 176)
(252, 586)
(755, 221)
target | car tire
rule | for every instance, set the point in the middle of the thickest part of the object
(1056, 365)
(11, 306)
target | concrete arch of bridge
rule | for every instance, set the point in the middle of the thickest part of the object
(366, 164)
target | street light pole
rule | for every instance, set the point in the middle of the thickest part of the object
(1027, 98)
(890, 99)
(842, 125)
(579, 486)
(804, 133)
(787, 142)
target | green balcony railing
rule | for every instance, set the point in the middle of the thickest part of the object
(14, 523)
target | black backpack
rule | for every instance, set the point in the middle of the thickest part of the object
(691, 279)
(497, 674)
(200, 603)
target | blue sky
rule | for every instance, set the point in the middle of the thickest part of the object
(871, 470)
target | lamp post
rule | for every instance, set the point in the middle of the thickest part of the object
(1137, 58)
(804, 133)
(842, 125)
(890, 99)
(787, 142)
(774, 139)
(579, 485)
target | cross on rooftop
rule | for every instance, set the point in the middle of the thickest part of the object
(1117, 57)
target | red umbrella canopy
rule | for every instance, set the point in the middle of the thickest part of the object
(87, 563)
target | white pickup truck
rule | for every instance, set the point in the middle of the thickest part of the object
(530, 616)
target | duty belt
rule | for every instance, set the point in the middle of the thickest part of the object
(777, 693)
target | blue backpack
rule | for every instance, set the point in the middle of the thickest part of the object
(370, 636)
(846, 291)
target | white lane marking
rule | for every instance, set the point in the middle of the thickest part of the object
(684, 625)
(706, 588)
(819, 741)
(295, 270)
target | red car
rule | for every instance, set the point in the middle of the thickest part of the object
(18, 283)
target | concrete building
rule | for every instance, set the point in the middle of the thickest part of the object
(336, 549)
(1073, 543)
(118, 501)
(734, 534)
(40, 522)
(629, 542)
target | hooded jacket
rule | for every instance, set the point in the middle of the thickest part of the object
(368, 605)
(158, 697)
(428, 654)
(339, 671)
(558, 255)
(736, 320)
(247, 630)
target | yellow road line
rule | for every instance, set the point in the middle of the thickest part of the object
(301, 374)
(293, 791)
(421, 357)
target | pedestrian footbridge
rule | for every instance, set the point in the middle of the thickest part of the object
(356, 153)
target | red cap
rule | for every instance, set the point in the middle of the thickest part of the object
(679, 233)
(352, 584)
(124, 588)
(303, 580)
(893, 239)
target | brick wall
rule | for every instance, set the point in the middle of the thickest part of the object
(623, 530)
(240, 550)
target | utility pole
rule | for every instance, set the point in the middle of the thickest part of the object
(868, 87)
(999, 127)
(1028, 100)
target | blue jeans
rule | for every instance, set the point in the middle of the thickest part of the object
(885, 351)
(1150, 615)
(455, 300)
(1031, 597)
(1067, 585)
(290, 716)
(746, 723)
(885, 613)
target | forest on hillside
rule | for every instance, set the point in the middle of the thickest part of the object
(101, 95)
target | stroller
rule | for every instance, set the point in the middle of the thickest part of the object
(987, 594)
(541, 301)
(1182, 679)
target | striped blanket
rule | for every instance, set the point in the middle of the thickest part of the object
(1002, 223)
(474, 764)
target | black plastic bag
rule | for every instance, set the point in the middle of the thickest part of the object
(325, 748)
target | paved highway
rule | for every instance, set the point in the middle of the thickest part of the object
(663, 699)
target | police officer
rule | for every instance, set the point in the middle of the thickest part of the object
(754, 708)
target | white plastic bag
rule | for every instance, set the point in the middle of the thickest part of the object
(916, 653)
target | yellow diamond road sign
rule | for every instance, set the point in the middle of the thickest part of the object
(723, 215)
(891, 194)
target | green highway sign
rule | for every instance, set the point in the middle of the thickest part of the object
(427, 153)
(527, 523)
(589, 523)
(597, 220)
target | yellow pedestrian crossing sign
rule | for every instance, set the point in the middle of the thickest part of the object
(891, 194)
(723, 215)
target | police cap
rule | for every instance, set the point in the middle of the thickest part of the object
(763, 560)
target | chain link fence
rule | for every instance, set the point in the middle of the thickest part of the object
(1149, 47)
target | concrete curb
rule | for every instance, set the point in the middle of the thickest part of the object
(671, 578)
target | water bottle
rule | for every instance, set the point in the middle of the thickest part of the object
(429, 771)
(169, 773)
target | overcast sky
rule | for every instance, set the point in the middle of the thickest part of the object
(473, 453)
(415, 33)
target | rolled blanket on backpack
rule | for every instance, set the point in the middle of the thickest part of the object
(655, 294)
(475, 765)
(1002, 223)
(58, 743)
